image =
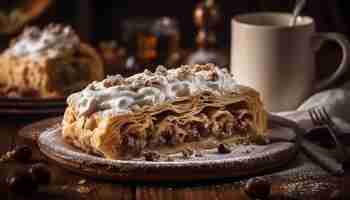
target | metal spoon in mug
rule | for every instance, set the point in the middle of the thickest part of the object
(300, 4)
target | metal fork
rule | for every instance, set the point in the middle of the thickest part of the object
(320, 117)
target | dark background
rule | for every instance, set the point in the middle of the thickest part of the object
(98, 20)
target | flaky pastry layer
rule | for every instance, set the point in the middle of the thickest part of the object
(169, 125)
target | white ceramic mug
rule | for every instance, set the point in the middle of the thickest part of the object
(278, 60)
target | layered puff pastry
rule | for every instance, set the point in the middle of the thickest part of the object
(120, 118)
(49, 62)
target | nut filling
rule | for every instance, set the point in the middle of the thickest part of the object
(172, 130)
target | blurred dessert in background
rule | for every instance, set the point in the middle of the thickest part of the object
(51, 62)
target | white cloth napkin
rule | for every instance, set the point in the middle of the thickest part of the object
(337, 103)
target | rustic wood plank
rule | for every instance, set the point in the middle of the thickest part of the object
(7, 134)
(218, 191)
(64, 185)
(305, 181)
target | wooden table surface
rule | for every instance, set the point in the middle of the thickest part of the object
(66, 185)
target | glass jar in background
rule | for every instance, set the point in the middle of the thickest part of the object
(206, 17)
(113, 56)
(151, 42)
(166, 32)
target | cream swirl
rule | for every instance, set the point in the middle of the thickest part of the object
(116, 95)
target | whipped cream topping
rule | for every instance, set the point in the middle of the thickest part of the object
(117, 95)
(52, 41)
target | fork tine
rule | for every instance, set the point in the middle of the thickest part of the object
(326, 115)
(331, 122)
(340, 148)
(312, 117)
(322, 117)
(317, 117)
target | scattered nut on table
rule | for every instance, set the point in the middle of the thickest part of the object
(258, 188)
(224, 148)
(151, 156)
(188, 153)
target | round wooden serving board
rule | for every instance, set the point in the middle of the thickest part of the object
(244, 160)
(32, 106)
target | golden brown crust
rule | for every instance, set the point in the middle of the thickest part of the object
(47, 77)
(170, 124)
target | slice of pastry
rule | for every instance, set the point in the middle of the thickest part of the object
(52, 62)
(162, 111)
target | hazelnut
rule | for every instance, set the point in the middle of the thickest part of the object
(151, 156)
(22, 182)
(41, 173)
(257, 188)
(224, 149)
(161, 70)
(188, 153)
(22, 153)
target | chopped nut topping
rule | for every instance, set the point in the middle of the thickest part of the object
(113, 81)
(32, 32)
(151, 156)
(213, 76)
(183, 74)
(224, 149)
(199, 154)
(206, 67)
(147, 72)
(161, 86)
(153, 82)
(161, 70)
(188, 153)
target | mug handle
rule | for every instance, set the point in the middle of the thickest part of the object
(319, 39)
